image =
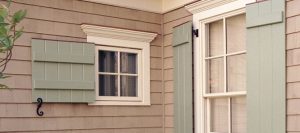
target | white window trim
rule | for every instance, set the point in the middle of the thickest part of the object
(123, 38)
(203, 12)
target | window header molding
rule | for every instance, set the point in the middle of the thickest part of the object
(206, 5)
(116, 33)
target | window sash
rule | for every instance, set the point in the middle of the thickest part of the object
(225, 55)
(139, 75)
(207, 97)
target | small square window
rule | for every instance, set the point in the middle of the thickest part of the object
(122, 65)
(119, 74)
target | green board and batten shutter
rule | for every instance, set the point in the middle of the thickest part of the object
(266, 67)
(183, 104)
(63, 72)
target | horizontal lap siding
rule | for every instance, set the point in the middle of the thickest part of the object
(170, 20)
(61, 20)
(293, 65)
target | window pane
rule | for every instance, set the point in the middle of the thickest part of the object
(108, 61)
(236, 69)
(215, 75)
(236, 33)
(108, 85)
(238, 111)
(219, 115)
(129, 86)
(128, 62)
(216, 43)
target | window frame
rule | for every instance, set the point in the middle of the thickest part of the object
(139, 74)
(224, 55)
(126, 39)
(207, 97)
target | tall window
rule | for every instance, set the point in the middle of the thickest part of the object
(225, 75)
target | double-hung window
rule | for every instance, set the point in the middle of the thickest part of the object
(220, 66)
(224, 74)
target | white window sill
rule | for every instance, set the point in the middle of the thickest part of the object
(124, 103)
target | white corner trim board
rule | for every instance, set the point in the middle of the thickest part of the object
(116, 33)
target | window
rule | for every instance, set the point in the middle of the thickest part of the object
(224, 66)
(122, 61)
(220, 65)
(119, 75)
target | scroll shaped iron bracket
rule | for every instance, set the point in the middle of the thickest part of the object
(39, 105)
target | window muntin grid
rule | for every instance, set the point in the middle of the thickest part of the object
(225, 67)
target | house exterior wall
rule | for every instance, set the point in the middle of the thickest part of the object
(293, 65)
(61, 20)
(170, 19)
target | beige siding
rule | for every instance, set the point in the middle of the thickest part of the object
(170, 20)
(293, 65)
(61, 20)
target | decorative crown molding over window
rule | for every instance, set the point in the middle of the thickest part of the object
(206, 5)
(115, 33)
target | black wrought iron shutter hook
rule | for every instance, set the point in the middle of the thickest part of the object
(39, 105)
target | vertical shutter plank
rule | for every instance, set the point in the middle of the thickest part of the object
(51, 71)
(182, 47)
(87, 49)
(279, 95)
(77, 96)
(77, 49)
(266, 69)
(77, 71)
(64, 47)
(51, 47)
(266, 66)
(253, 79)
(65, 95)
(38, 45)
(52, 95)
(89, 72)
(177, 101)
(64, 71)
(266, 83)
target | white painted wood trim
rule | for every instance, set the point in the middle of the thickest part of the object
(203, 12)
(116, 33)
(124, 40)
(206, 5)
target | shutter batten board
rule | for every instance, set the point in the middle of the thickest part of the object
(266, 67)
(78, 85)
(63, 58)
(182, 47)
(58, 75)
(268, 19)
